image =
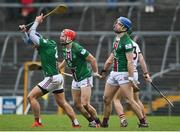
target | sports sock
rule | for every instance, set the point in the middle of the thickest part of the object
(142, 121)
(122, 117)
(105, 120)
(75, 122)
(90, 119)
(97, 120)
(37, 119)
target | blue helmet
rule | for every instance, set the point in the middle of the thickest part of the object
(125, 22)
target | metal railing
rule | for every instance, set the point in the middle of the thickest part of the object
(75, 4)
(169, 38)
(4, 50)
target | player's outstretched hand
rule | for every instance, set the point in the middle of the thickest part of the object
(97, 75)
(147, 77)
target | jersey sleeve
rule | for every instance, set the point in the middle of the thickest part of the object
(128, 47)
(138, 49)
(26, 39)
(33, 34)
(82, 51)
(45, 42)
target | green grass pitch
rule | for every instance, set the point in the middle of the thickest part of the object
(62, 123)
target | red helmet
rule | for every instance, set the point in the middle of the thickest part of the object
(70, 34)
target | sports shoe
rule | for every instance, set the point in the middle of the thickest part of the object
(98, 125)
(76, 126)
(37, 124)
(104, 125)
(92, 124)
(141, 125)
(124, 123)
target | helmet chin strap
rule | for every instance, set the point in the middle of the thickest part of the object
(121, 31)
(66, 42)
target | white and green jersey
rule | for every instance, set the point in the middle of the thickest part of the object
(47, 50)
(136, 51)
(121, 46)
(76, 61)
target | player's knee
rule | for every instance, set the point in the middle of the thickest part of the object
(85, 102)
(30, 98)
(106, 100)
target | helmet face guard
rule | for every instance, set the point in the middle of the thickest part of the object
(68, 35)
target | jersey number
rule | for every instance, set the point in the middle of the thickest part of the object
(56, 54)
(135, 53)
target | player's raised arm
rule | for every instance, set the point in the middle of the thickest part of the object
(25, 37)
(32, 31)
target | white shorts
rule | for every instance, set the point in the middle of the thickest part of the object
(83, 83)
(52, 84)
(136, 76)
(117, 78)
